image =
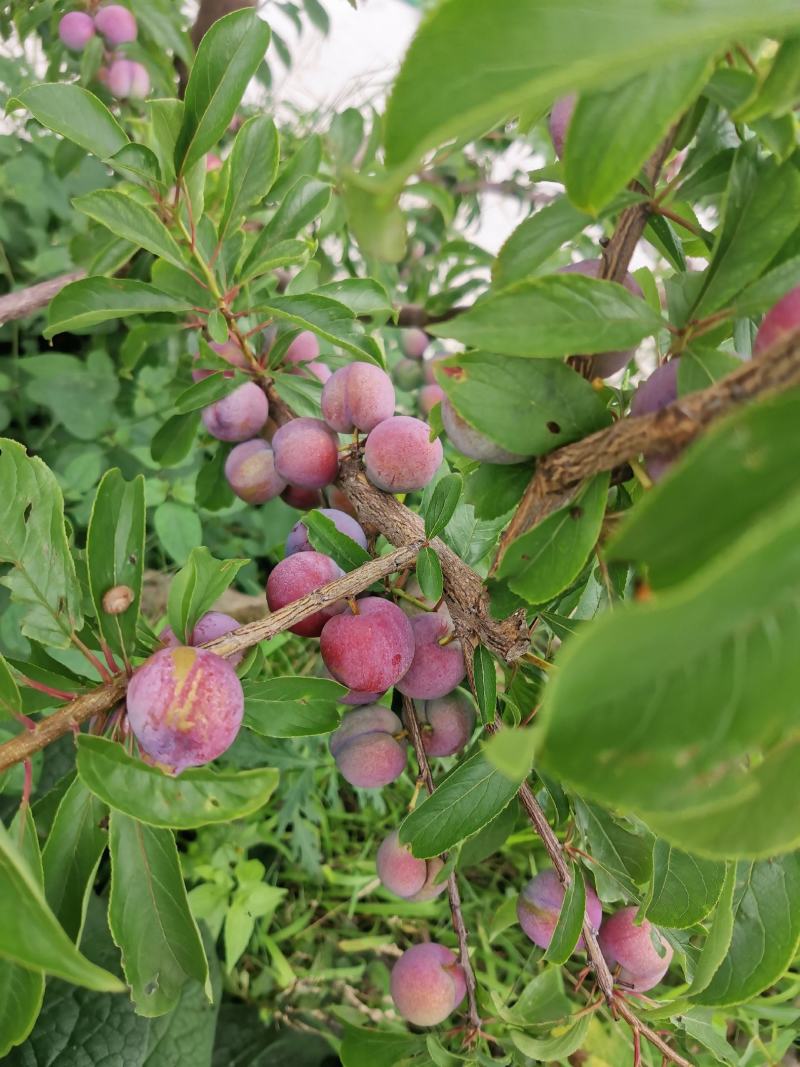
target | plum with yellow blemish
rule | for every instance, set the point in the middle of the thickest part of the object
(185, 707)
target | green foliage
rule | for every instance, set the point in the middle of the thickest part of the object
(630, 653)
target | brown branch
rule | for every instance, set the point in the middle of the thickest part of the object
(412, 725)
(465, 593)
(23, 302)
(665, 432)
(104, 698)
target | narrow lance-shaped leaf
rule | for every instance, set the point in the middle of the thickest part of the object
(226, 60)
(10, 700)
(684, 888)
(462, 803)
(553, 317)
(29, 932)
(429, 574)
(442, 504)
(129, 219)
(115, 557)
(570, 920)
(253, 164)
(197, 798)
(485, 682)
(33, 539)
(292, 707)
(76, 114)
(149, 916)
(93, 300)
(196, 586)
(613, 131)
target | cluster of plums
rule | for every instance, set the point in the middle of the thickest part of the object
(302, 457)
(124, 78)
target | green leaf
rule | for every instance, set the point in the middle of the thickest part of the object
(253, 168)
(93, 300)
(326, 317)
(781, 88)
(699, 369)
(544, 561)
(375, 219)
(462, 803)
(304, 202)
(34, 541)
(613, 131)
(293, 706)
(684, 889)
(377, 1048)
(532, 55)
(485, 672)
(429, 575)
(733, 475)
(76, 114)
(178, 529)
(137, 162)
(617, 852)
(553, 317)
(767, 290)
(149, 916)
(76, 841)
(766, 931)
(197, 586)
(528, 406)
(570, 919)
(166, 118)
(556, 1048)
(511, 751)
(716, 945)
(281, 254)
(689, 699)
(226, 60)
(10, 700)
(29, 932)
(324, 536)
(364, 296)
(442, 504)
(132, 221)
(761, 206)
(495, 490)
(173, 442)
(115, 555)
(198, 797)
(62, 383)
(207, 391)
(536, 239)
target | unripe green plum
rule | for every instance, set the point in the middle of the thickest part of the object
(633, 947)
(250, 472)
(399, 455)
(405, 875)
(306, 453)
(128, 80)
(210, 626)
(539, 907)
(298, 541)
(357, 397)
(116, 23)
(239, 415)
(185, 707)
(369, 651)
(472, 442)
(436, 669)
(780, 320)
(407, 374)
(295, 577)
(365, 749)
(427, 984)
(76, 29)
(414, 343)
(446, 723)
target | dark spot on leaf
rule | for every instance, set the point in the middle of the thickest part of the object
(133, 559)
(151, 987)
(213, 801)
(27, 512)
(553, 427)
(576, 512)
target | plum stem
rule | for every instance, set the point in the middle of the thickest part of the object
(412, 725)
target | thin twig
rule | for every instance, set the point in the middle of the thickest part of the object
(412, 725)
(104, 697)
